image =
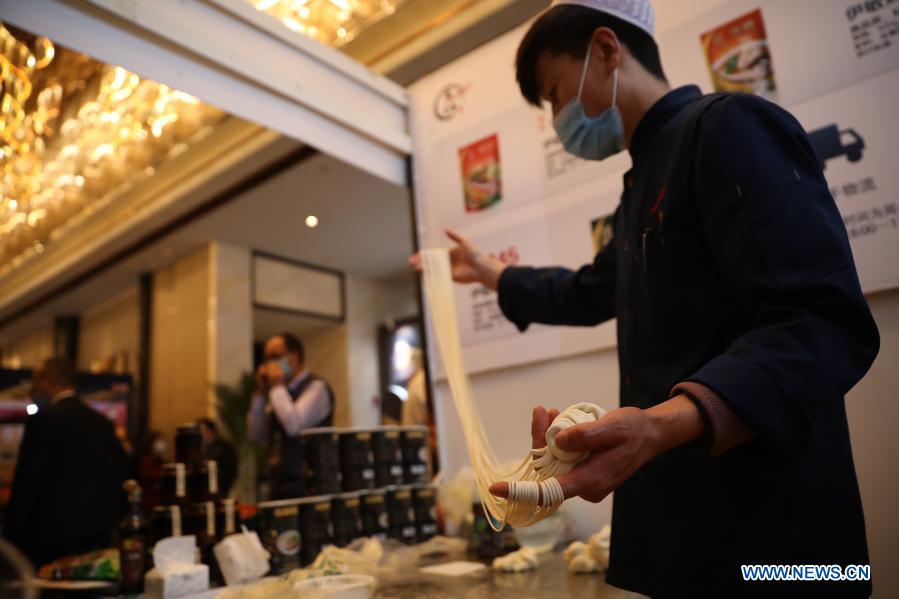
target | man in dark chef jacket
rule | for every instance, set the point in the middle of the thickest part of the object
(741, 322)
(289, 399)
(67, 490)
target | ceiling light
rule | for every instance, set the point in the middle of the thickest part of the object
(333, 22)
(73, 133)
(311, 221)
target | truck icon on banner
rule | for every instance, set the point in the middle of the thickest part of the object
(831, 142)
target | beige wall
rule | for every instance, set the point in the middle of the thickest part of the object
(178, 358)
(109, 328)
(30, 350)
(369, 304)
(201, 333)
(230, 333)
(326, 356)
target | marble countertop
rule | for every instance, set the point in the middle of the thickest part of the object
(550, 579)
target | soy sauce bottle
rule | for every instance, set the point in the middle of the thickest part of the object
(133, 550)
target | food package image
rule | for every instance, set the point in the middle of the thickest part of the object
(739, 56)
(481, 174)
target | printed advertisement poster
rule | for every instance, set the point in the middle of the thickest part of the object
(481, 174)
(814, 46)
(524, 240)
(739, 58)
(858, 151)
(490, 165)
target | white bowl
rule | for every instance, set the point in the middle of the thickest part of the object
(542, 534)
(345, 586)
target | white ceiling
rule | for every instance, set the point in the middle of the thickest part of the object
(365, 225)
(364, 229)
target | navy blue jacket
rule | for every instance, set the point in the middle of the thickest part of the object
(730, 266)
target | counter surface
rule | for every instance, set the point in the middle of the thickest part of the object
(550, 579)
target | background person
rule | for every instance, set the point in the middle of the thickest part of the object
(67, 489)
(289, 399)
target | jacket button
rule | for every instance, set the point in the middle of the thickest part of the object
(630, 181)
(627, 381)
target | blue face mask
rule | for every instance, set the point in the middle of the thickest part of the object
(286, 369)
(591, 138)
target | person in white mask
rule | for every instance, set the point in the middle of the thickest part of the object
(740, 319)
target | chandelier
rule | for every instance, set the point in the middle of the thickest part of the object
(74, 135)
(332, 22)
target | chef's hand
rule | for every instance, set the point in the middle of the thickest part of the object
(620, 442)
(541, 418)
(470, 264)
(275, 374)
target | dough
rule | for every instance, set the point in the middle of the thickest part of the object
(534, 491)
(522, 560)
(589, 557)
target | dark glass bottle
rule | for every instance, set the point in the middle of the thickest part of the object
(133, 553)
(486, 542)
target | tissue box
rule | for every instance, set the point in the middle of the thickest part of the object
(178, 581)
(241, 558)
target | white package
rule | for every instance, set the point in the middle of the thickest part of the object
(241, 558)
(175, 574)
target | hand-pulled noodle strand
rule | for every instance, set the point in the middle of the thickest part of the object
(534, 490)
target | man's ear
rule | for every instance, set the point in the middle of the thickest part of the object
(606, 47)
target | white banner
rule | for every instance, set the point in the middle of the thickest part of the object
(491, 167)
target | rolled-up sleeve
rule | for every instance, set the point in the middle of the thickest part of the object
(560, 296)
(780, 243)
(310, 408)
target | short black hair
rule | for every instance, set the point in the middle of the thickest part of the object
(293, 344)
(60, 371)
(567, 29)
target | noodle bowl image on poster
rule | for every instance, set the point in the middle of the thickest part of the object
(739, 57)
(481, 174)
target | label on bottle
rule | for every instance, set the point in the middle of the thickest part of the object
(229, 518)
(132, 552)
(213, 477)
(180, 486)
(176, 520)
(210, 518)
